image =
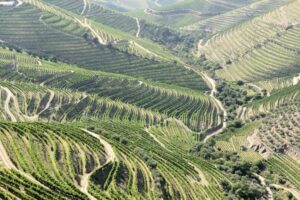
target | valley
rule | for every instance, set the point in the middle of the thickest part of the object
(178, 99)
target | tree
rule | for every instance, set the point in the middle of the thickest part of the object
(240, 82)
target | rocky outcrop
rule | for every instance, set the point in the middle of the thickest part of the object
(257, 145)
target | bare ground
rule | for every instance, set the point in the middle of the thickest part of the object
(201, 175)
(138, 26)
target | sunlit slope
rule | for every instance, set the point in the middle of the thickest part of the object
(228, 19)
(278, 98)
(53, 159)
(262, 48)
(136, 28)
(30, 102)
(65, 161)
(27, 27)
(196, 110)
(187, 12)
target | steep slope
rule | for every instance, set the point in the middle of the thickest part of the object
(196, 110)
(76, 45)
(258, 49)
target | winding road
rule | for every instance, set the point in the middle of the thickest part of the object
(110, 157)
(9, 96)
(138, 26)
(213, 92)
(84, 7)
(93, 31)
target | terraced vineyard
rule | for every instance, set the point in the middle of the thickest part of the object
(262, 54)
(76, 47)
(183, 13)
(228, 19)
(32, 102)
(54, 158)
(238, 143)
(99, 14)
(196, 110)
(278, 98)
(99, 104)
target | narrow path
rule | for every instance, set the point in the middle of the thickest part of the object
(93, 31)
(200, 174)
(6, 104)
(242, 114)
(138, 26)
(212, 83)
(10, 96)
(144, 49)
(263, 183)
(19, 3)
(48, 103)
(4, 158)
(181, 123)
(84, 7)
(157, 3)
(258, 89)
(110, 157)
(295, 192)
(84, 184)
(223, 3)
(178, 12)
(156, 140)
(7, 163)
(56, 76)
(110, 154)
(296, 80)
(200, 46)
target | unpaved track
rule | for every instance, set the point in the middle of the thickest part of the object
(263, 183)
(84, 7)
(138, 26)
(258, 89)
(157, 3)
(144, 49)
(5, 160)
(84, 184)
(200, 174)
(296, 80)
(49, 101)
(156, 140)
(110, 157)
(93, 31)
(177, 12)
(181, 123)
(212, 83)
(110, 154)
(200, 47)
(9, 96)
(295, 192)
(223, 3)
